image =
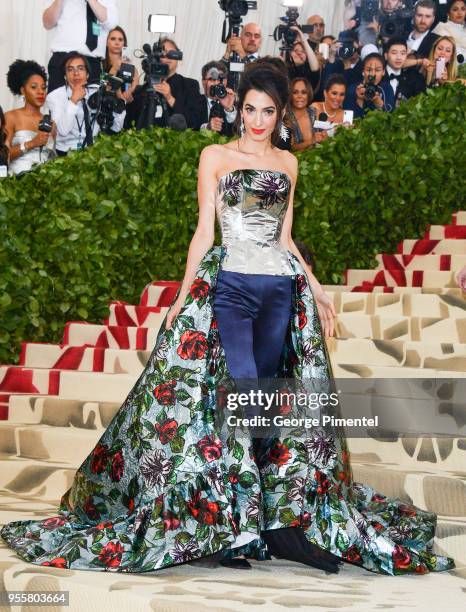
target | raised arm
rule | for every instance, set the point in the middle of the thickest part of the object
(204, 235)
(51, 15)
(324, 304)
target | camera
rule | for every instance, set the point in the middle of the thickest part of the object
(234, 10)
(153, 68)
(105, 101)
(369, 10)
(371, 88)
(284, 32)
(45, 124)
(217, 91)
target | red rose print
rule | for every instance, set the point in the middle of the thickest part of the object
(104, 525)
(284, 397)
(193, 345)
(53, 523)
(222, 393)
(406, 510)
(322, 482)
(353, 555)
(167, 431)
(118, 464)
(58, 562)
(170, 521)
(377, 497)
(302, 319)
(204, 512)
(210, 448)
(306, 520)
(130, 506)
(199, 289)
(90, 509)
(110, 555)
(165, 393)
(99, 459)
(279, 454)
(401, 557)
(301, 283)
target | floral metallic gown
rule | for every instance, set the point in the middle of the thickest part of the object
(166, 484)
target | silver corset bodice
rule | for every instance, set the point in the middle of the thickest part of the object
(251, 206)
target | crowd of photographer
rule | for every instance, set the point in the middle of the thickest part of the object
(389, 51)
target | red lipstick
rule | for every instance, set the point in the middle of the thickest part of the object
(255, 131)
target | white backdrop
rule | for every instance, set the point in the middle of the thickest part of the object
(198, 29)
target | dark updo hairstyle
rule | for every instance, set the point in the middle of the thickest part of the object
(267, 78)
(20, 72)
(335, 79)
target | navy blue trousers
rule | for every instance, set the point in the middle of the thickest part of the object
(252, 312)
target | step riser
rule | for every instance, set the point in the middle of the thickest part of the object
(434, 247)
(414, 278)
(421, 262)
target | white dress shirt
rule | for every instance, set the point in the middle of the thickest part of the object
(71, 30)
(393, 82)
(69, 118)
(415, 43)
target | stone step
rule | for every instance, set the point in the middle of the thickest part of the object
(83, 359)
(399, 304)
(377, 327)
(114, 336)
(362, 370)
(393, 278)
(421, 262)
(47, 442)
(55, 411)
(93, 386)
(459, 218)
(136, 316)
(443, 356)
(159, 293)
(450, 246)
(439, 232)
(370, 288)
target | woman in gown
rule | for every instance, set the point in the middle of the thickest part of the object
(166, 483)
(27, 145)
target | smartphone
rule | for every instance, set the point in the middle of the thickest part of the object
(324, 50)
(348, 116)
(439, 67)
(164, 24)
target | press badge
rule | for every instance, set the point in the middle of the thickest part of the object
(96, 29)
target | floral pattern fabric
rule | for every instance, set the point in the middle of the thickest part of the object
(165, 484)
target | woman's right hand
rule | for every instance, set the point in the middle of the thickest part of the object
(40, 140)
(173, 313)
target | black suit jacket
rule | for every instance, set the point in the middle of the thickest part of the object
(227, 129)
(426, 45)
(411, 83)
(187, 96)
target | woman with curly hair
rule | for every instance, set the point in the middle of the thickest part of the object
(27, 144)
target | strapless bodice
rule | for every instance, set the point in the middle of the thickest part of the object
(251, 206)
(25, 162)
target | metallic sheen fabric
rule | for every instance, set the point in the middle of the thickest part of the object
(251, 206)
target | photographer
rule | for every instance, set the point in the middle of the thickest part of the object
(246, 45)
(78, 25)
(181, 95)
(389, 10)
(371, 94)
(69, 105)
(218, 111)
(318, 30)
(301, 61)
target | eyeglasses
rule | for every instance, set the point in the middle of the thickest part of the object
(80, 68)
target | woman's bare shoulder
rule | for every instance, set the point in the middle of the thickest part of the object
(290, 162)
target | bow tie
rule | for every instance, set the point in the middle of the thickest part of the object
(395, 76)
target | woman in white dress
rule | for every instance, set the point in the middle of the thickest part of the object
(27, 144)
(455, 25)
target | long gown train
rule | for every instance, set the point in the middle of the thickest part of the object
(165, 484)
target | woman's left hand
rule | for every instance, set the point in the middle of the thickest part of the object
(327, 313)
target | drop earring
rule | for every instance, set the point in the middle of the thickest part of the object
(241, 127)
(284, 131)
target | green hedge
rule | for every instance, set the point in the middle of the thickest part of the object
(96, 226)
